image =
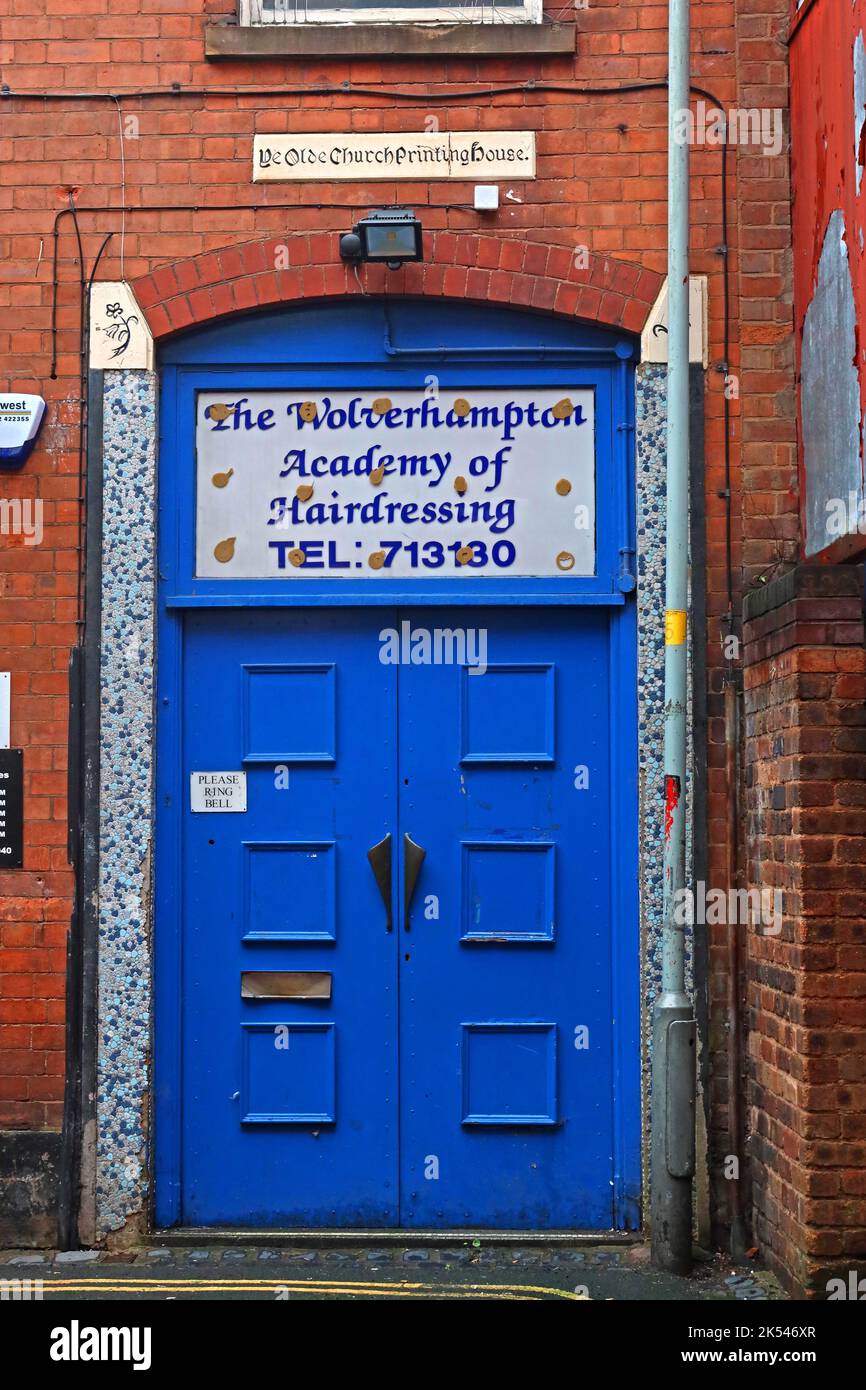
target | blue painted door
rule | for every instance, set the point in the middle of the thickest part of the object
(487, 971)
(290, 1105)
(478, 1063)
(507, 1101)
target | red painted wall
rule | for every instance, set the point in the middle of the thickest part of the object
(824, 178)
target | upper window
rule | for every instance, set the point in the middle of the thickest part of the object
(257, 12)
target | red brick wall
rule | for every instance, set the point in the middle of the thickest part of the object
(601, 183)
(763, 457)
(769, 521)
(805, 682)
(483, 267)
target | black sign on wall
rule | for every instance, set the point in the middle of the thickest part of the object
(11, 808)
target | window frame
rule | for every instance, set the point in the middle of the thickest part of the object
(290, 15)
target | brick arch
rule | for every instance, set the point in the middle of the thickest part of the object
(458, 265)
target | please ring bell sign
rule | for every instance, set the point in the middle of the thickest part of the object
(218, 791)
(360, 484)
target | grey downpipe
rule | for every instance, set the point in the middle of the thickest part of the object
(673, 1075)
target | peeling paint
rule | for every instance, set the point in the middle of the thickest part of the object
(672, 801)
(859, 105)
(828, 162)
(830, 389)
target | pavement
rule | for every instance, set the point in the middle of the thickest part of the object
(462, 1270)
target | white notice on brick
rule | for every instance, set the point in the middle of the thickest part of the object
(397, 154)
(218, 791)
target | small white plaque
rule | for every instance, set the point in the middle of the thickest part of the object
(119, 332)
(218, 791)
(654, 339)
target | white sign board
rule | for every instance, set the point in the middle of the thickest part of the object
(507, 154)
(218, 791)
(5, 707)
(316, 484)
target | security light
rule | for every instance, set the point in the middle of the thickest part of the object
(392, 235)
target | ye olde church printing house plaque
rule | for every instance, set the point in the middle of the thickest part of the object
(355, 484)
(507, 154)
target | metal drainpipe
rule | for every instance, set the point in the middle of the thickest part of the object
(735, 1119)
(673, 1080)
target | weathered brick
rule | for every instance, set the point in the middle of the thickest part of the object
(812, 781)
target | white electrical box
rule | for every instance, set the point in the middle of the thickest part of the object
(486, 197)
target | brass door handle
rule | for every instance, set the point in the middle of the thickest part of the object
(413, 858)
(380, 862)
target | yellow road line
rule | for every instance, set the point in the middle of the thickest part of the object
(335, 1290)
(401, 1288)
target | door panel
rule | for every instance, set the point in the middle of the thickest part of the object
(505, 782)
(290, 1104)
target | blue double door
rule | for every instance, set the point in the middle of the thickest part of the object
(398, 1004)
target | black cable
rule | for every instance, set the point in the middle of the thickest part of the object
(106, 239)
(347, 89)
(85, 416)
(82, 412)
